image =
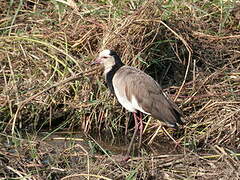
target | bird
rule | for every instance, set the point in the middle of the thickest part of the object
(136, 91)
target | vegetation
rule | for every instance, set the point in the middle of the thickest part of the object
(58, 119)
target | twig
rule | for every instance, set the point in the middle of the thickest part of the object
(189, 57)
(86, 175)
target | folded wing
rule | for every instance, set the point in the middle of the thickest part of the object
(145, 95)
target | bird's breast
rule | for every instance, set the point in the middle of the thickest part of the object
(124, 101)
(131, 104)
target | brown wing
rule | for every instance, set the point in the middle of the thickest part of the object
(149, 95)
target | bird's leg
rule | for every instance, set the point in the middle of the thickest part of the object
(134, 134)
(140, 129)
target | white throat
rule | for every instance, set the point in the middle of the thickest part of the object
(106, 70)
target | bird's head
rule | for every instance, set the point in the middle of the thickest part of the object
(108, 58)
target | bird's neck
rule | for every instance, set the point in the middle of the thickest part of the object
(109, 72)
(107, 69)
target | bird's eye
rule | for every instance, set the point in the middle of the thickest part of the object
(104, 57)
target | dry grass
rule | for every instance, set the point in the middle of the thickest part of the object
(192, 49)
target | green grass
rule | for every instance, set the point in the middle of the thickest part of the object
(191, 47)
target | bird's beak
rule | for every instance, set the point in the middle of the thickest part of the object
(97, 61)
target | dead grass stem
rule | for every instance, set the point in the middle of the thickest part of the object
(48, 85)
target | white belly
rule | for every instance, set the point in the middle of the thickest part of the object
(131, 105)
(124, 101)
